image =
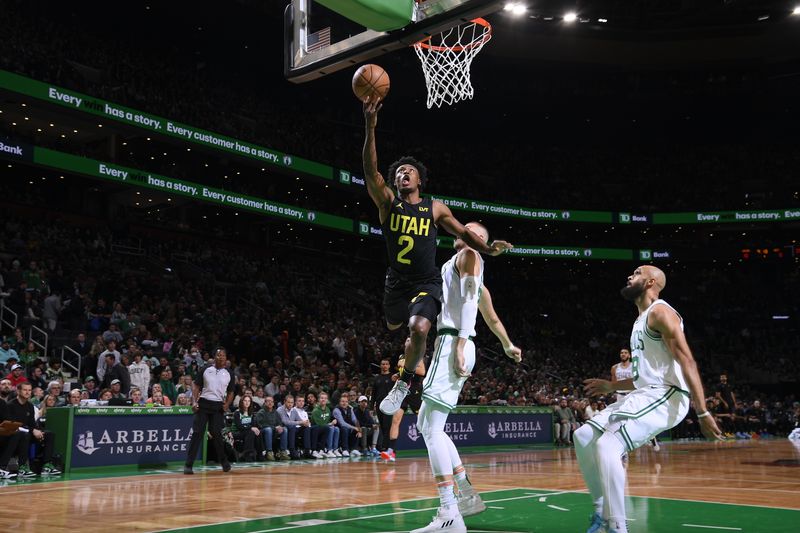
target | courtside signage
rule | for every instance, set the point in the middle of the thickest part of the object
(95, 106)
(719, 217)
(484, 430)
(555, 215)
(134, 439)
(156, 124)
(15, 150)
(220, 197)
(530, 250)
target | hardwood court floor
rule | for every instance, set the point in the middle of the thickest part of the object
(749, 486)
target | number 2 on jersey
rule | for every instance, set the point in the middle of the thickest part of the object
(409, 244)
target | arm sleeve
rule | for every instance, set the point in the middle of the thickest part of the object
(469, 306)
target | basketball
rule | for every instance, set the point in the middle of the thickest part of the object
(370, 81)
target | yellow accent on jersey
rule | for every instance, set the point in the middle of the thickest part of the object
(409, 224)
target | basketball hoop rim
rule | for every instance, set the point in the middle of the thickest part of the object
(487, 34)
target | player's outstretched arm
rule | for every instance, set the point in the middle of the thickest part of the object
(444, 218)
(666, 321)
(380, 193)
(600, 387)
(493, 321)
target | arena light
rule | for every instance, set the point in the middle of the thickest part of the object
(602, 20)
(516, 8)
(571, 17)
(796, 10)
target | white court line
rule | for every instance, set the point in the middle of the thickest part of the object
(668, 476)
(526, 497)
(347, 520)
(712, 527)
(715, 488)
(353, 519)
(326, 511)
(557, 508)
(713, 502)
(495, 507)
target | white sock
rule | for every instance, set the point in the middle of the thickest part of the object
(462, 481)
(447, 497)
(609, 460)
(585, 438)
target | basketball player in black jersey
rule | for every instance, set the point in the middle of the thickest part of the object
(413, 290)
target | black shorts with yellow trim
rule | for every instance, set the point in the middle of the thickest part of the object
(413, 400)
(401, 302)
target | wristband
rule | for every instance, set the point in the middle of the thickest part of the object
(703, 414)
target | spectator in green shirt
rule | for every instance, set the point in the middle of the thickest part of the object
(167, 386)
(323, 426)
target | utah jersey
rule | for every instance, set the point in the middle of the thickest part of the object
(410, 234)
(653, 364)
(450, 315)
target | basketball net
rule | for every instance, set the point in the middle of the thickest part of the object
(446, 59)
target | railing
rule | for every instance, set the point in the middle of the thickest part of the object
(127, 249)
(3, 320)
(42, 335)
(68, 363)
(250, 303)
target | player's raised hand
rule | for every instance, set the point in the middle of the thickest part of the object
(597, 387)
(514, 353)
(709, 428)
(498, 247)
(371, 108)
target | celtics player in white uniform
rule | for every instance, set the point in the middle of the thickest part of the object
(622, 371)
(454, 357)
(664, 377)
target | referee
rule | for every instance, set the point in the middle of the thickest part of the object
(209, 407)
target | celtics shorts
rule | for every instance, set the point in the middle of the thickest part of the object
(643, 414)
(442, 386)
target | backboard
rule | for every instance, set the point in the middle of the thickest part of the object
(324, 36)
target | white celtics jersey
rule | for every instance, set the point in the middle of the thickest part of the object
(450, 316)
(622, 372)
(653, 364)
